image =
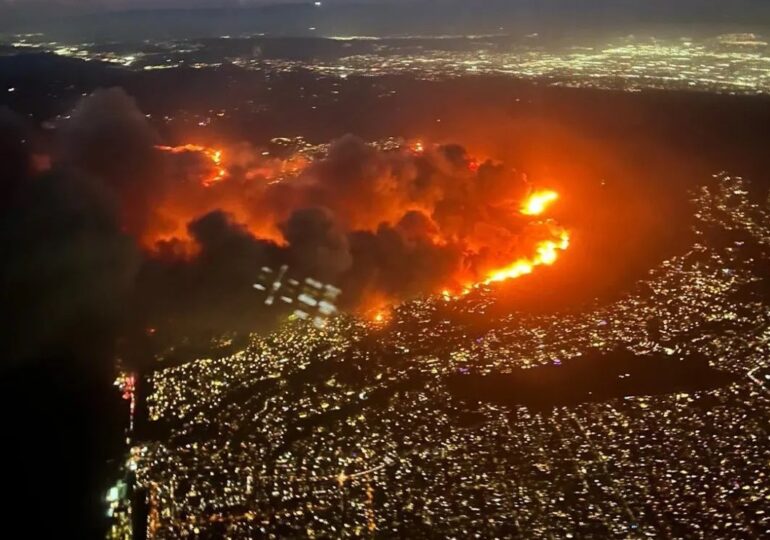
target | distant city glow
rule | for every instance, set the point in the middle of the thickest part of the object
(730, 63)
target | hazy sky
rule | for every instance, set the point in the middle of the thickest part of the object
(40, 7)
(729, 5)
(148, 3)
(744, 14)
(24, 5)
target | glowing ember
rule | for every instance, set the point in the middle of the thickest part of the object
(219, 172)
(537, 203)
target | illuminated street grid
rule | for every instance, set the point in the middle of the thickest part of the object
(350, 430)
(730, 63)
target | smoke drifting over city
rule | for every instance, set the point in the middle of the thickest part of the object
(385, 268)
(108, 225)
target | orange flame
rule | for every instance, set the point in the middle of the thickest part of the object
(546, 253)
(381, 316)
(538, 202)
(418, 147)
(219, 172)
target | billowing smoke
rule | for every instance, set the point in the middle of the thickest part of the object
(212, 291)
(317, 244)
(67, 266)
(122, 229)
(109, 139)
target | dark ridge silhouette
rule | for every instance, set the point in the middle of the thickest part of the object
(594, 377)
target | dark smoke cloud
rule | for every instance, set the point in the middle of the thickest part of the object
(388, 264)
(383, 225)
(317, 244)
(67, 274)
(109, 138)
(15, 153)
(210, 293)
(66, 265)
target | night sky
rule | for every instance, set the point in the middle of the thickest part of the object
(680, 6)
(426, 16)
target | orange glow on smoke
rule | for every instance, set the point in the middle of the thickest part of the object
(538, 202)
(497, 244)
(226, 179)
(546, 252)
(418, 147)
(218, 173)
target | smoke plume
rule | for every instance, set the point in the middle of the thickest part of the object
(127, 230)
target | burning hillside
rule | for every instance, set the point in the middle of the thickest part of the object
(194, 223)
(382, 221)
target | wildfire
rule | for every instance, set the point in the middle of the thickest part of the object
(380, 316)
(219, 172)
(488, 257)
(538, 202)
(418, 147)
(546, 253)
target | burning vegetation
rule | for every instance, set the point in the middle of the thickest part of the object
(188, 227)
(382, 221)
(218, 171)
